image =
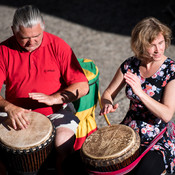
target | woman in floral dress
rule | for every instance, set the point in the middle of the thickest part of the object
(149, 77)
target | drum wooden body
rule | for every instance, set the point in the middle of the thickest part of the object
(110, 148)
(26, 150)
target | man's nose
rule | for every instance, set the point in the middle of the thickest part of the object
(31, 40)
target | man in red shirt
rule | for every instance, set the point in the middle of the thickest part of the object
(41, 73)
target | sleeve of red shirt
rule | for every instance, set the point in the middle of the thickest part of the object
(69, 65)
(2, 68)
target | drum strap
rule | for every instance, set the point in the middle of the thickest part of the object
(128, 168)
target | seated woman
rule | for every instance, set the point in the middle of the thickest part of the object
(149, 77)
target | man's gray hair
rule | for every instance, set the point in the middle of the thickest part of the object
(27, 16)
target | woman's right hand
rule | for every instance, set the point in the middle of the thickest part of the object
(108, 108)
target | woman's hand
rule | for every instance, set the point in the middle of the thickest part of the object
(108, 108)
(134, 81)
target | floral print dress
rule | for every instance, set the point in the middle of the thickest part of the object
(140, 118)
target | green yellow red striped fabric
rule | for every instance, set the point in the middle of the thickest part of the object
(85, 106)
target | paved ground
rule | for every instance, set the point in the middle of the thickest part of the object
(99, 30)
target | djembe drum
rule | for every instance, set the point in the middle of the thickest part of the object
(26, 150)
(110, 148)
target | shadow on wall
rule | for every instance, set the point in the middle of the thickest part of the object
(114, 16)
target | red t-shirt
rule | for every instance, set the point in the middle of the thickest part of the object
(48, 69)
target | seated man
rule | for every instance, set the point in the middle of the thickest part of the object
(41, 73)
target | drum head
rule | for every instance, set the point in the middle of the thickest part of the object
(109, 142)
(39, 130)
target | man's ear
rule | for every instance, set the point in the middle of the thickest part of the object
(12, 30)
(44, 25)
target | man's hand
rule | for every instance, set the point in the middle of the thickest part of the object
(43, 98)
(17, 116)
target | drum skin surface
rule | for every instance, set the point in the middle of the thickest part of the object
(110, 148)
(38, 132)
